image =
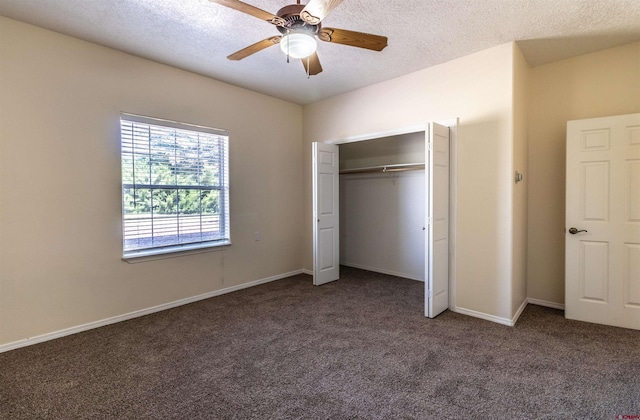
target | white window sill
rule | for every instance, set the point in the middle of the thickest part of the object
(133, 257)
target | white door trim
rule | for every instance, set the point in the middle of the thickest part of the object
(380, 134)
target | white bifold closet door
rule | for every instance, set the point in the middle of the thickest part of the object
(437, 215)
(326, 213)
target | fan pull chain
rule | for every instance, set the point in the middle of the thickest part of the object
(308, 67)
(288, 45)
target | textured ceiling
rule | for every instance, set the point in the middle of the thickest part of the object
(197, 35)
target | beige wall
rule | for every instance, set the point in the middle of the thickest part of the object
(478, 90)
(593, 85)
(60, 204)
(521, 81)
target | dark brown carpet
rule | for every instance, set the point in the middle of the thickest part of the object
(359, 348)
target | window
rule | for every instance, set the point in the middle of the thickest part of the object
(175, 186)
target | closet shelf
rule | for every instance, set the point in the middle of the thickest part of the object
(400, 167)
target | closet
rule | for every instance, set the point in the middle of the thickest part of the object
(382, 205)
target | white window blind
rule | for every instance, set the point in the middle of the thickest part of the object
(175, 186)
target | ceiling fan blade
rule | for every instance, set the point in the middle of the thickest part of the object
(353, 39)
(312, 65)
(316, 10)
(252, 49)
(251, 10)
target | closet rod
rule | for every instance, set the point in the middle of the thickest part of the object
(400, 167)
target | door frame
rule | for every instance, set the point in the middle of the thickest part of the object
(453, 182)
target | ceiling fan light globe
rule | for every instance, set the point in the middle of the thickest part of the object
(298, 45)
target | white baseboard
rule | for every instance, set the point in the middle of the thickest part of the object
(505, 321)
(519, 312)
(482, 315)
(546, 303)
(142, 312)
(382, 270)
(135, 314)
(493, 318)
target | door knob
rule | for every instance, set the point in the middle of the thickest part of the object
(573, 231)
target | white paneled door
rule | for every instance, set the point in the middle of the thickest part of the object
(603, 221)
(437, 238)
(326, 222)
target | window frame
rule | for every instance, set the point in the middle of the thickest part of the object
(159, 251)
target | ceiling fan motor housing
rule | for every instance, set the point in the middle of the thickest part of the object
(294, 23)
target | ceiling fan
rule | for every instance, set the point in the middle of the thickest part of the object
(299, 26)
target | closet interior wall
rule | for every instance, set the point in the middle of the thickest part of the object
(382, 205)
